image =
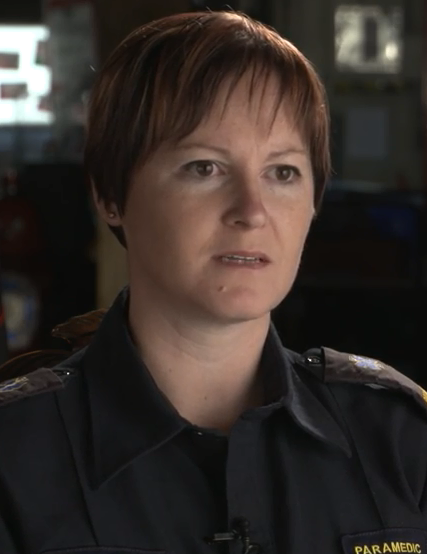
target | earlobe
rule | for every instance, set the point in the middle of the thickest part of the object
(109, 213)
(113, 217)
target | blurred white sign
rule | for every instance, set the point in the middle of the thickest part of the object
(25, 79)
(368, 39)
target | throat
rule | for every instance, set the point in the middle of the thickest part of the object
(219, 408)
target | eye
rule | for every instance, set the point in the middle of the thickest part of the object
(286, 173)
(201, 168)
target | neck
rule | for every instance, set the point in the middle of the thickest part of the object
(209, 374)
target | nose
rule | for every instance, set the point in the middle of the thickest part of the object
(247, 208)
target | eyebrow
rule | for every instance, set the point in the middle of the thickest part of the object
(224, 151)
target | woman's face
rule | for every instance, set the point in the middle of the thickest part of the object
(215, 225)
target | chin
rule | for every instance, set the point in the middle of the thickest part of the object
(239, 310)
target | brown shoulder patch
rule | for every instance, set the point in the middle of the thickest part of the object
(79, 330)
(341, 367)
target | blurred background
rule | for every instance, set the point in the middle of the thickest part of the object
(363, 281)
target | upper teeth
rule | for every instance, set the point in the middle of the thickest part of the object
(243, 258)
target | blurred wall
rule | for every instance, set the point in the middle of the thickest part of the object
(310, 25)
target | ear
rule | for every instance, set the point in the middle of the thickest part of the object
(107, 211)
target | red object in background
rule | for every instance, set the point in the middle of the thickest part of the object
(13, 91)
(9, 60)
(45, 103)
(20, 233)
(25, 273)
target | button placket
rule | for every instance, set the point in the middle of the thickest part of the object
(244, 504)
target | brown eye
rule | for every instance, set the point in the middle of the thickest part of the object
(286, 172)
(201, 168)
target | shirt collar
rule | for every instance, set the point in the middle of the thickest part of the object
(302, 400)
(129, 415)
(124, 400)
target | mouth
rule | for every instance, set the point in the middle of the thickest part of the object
(251, 259)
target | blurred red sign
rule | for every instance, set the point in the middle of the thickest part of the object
(45, 103)
(13, 91)
(9, 60)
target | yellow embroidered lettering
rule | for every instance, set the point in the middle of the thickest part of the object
(386, 546)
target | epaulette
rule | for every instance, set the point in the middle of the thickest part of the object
(331, 366)
(37, 382)
(36, 372)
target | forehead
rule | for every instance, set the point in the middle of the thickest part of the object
(251, 105)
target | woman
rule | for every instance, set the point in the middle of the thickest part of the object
(186, 426)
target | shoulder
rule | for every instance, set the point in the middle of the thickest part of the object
(382, 411)
(43, 371)
(31, 419)
(37, 380)
(355, 374)
(36, 461)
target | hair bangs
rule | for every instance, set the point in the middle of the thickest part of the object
(185, 92)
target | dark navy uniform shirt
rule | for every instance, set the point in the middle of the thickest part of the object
(99, 462)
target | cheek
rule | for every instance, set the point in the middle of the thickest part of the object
(294, 222)
(305, 211)
(162, 233)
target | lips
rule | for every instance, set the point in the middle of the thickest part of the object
(244, 254)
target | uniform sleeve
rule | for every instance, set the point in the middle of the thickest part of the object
(390, 430)
(7, 546)
(413, 453)
(408, 439)
(423, 476)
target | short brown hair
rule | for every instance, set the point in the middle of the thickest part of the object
(163, 78)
